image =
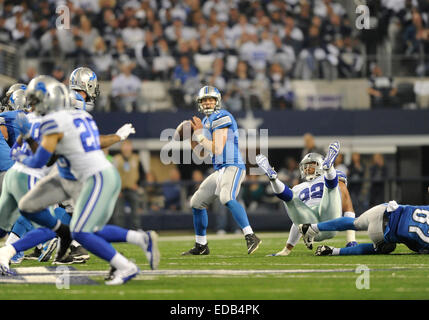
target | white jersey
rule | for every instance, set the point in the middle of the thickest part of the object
(35, 122)
(311, 192)
(79, 149)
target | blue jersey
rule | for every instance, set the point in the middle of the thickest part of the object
(231, 155)
(5, 161)
(8, 119)
(409, 225)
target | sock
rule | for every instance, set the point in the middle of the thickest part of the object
(21, 226)
(247, 230)
(33, 238)
(200, 221)
(112, 233)
(294, 236)
(277, 186)
(350, 234)
(44, 218)
(135, 237)
(119, 261)
(12, 238)
(74, 243)
(363, 248)
(238, 213)
(331, 178)
(62, 215)
(201, 239)
(340, 224)
(95, 244)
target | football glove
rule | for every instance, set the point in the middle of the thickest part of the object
(124, 131)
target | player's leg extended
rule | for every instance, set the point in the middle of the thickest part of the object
(94, 207)
(199, 202)
(229, 187)
(34, 205)
(371, 220)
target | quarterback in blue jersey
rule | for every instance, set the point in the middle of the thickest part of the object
(387, 224)
(218, 134)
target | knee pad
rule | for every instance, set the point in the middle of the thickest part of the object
(195, 202)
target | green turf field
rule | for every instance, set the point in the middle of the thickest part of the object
(228, 273)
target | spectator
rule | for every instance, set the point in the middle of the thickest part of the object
(130, 169)
(171, 191)
(80, 55)
(355, 177)
(126, 89)
(310, 146)
(340, 165)
(290, 174)
(382, 90)
(153, 193)
(282, 95)
(378, 174)
(30, 73)
(101, 60)
(87, 33)
(133, 35)
(58, 73)
(185, 83)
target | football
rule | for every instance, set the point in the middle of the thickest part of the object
(183, 131)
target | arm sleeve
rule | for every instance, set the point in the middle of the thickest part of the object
(221, 122)
(39, 159)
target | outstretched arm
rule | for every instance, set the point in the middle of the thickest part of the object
(120, 135)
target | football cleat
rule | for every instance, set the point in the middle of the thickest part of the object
(122, 276)
(47, 250)
(263, 163)
(63, 247)
(34, 255)
(253, 243)
(79, 253)
(324, 250)
(17, 258)
(308, 234)
(199, 249)
(68, 259)
(284, 252)
(333, 152)
(351, 244)
(150, 248)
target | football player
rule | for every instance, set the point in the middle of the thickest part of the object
(387, 224)
(322, 196)
(218, 134)
(73, 135)
(84, 86)
(5, 101)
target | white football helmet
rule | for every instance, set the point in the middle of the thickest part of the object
(209, 92)
(45, 94)
(311, 160)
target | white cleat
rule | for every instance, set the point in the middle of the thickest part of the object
(333, 152)
(308, 234)
(263, 163)
(6, 253)
(150, 248)
(124, 275)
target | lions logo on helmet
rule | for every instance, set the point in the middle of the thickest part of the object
(310, 166)
(209, 92)
(12, 89)
(84, 79)
(18, 101)
(45, 94)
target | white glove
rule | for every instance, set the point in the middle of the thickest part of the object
(124, 131)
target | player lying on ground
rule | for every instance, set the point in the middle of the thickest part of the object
(317, 199)
(387, 225)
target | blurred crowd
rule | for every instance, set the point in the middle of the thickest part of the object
(245, 48)
(144, 192)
